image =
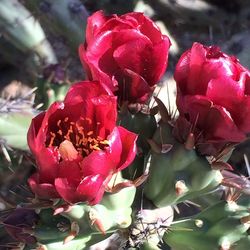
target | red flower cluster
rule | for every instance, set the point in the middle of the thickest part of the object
(213, 97)
(76, 143)
(78, 146)
(128, 53)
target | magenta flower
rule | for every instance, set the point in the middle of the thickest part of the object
(213, 97)
(78, 146)
(128, 53)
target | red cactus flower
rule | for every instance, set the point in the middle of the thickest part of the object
(78, 146)
(213, 97)
(128, 53)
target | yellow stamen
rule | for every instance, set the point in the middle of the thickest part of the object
(60, 132)
(59, 122)
(88, 120)
(90, 133)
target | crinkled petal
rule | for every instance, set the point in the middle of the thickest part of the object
(128, 140)
(33, 131)
(98, 162)
(246, 77)
(146, 26)
(119, 154)
(105, 114)
(39, 127)
(67, 190)
(81, 91)
(243, 116)
(182, 70)
(133, 87)
(70, 170)
(114, 150)
(225, 92)
(100, 53)
(42, 190)
(116, 23)
(221, 127)
(47, 160)
(197, 59)
(94, 24)
(91, 189)
(195, 108)
(131, 55)
(196, 68)
(95, 104)
(144, 58)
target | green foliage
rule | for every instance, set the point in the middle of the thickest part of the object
(48, 92)
(179, 174)
(217, 226)
(14, 128)
(145, 126)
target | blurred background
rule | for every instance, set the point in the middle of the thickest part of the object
(39, 42)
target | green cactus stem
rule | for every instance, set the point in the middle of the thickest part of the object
(50, 92)
(62, 17)
(114, 211)
(13, 129)
(220, 226)
(51, 227)
(95, 223)
(143, 124)
(178, 175)
(76, 244)
(22, 30)
(15, 118)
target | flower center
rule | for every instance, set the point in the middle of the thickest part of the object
(76, 136)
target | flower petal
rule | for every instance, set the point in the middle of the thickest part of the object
(94, 24)
(70, 170)
(195, 108)
(197, 59)
(104, 114)
(91, 189)
(226, 92)
(181, 72)
(67, 190)
(221, 127)
(116, 23)
(98, 162)
(144, 58)
(47, 160)
(42, 190)
(100, 54)
(128, 140)
(33, 131)
(85, 62)
(81, 91)
(133, 87)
